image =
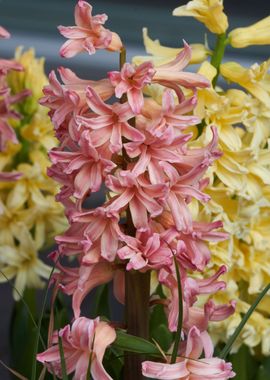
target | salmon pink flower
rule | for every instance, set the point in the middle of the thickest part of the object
(87, 339)
(137, 193)
(190, 367)
(110, 124)
(101, 224)
(146, 251)
(87, 164)
(68, 98)
(171, 74)
(131, 80)
(89, 33)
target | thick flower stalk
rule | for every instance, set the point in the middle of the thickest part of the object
(142, 152)
(29, 216)
(239, 179)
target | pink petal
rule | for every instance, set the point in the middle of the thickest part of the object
(164, 371)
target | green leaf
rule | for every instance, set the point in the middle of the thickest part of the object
(232, 339)
(132, 343)
(101, 305)
(158, 327)
(62, 358)
(264, 370)
(34, 361)
(23, 333)
(244, 364)
(114, 362)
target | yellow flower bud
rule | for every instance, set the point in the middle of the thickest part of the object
(209, 12)
(255, 34)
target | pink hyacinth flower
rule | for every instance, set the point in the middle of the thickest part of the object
(86, 339)
(147, 251)
(12, 176)
(172, 73)
(143, 198)
(4, 33)
(109, 123)
(131, 80)
(86, 163)
(68, 98)
(191, 367)
(89, 33)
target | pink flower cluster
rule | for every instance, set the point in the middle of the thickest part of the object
(7, 100)
(139, 150)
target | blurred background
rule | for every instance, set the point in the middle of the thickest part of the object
(33, 23)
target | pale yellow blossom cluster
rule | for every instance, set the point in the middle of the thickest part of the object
(240, 179)
(29, 215)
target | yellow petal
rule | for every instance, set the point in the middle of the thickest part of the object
(209, 12)
(255, 34)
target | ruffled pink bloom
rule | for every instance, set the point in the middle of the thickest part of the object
(67, 99)
(109, 122)
(7, 64)
(4, 33)
(191, 288)
(172, 74)
(137, 193)
(146, 251)
(131, 80)
(101, 225)
(159, 117)
(155, 149)
(191, 367)
(89, 33)
(7, 132)
(87, 339)
(195, 253)
(89, 167)
(211, 312)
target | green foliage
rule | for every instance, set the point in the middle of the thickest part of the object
(23, 334)
(244, 364)
(101, 303)
(159, 328)
(131, 343)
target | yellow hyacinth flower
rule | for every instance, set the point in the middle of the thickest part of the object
(255, 34)
(22, 263)
(32, 77)
(254, 79)
(209, 12)
(39, 130)
(162, 54)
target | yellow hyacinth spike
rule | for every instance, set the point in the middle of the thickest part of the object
(255, 34)
(209, 12)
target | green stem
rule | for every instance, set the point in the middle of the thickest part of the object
(241, 325)
(218, 54)
(180, 314)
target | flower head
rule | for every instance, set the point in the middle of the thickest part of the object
(89, 33)
(131, 81)
(87, 339)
